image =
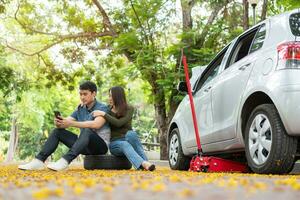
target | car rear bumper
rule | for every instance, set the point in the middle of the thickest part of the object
(288, 106)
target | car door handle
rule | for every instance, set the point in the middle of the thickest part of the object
(207, 89)
(242, 68)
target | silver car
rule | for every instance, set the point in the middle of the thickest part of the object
(247, 101)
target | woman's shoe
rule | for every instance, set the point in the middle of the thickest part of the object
(148, 166)
(152, 167)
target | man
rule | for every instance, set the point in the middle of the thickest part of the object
(94, 133)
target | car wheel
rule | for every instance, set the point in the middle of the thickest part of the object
(268, 147)
(177, 160)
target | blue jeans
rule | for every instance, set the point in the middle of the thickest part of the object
(131, 147)
(88, 143)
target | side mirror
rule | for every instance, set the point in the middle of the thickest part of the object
(181, 87)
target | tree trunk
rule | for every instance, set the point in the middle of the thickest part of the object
(13, 141)
(187, 25)
(213, 15)
(264, 10)
(173, 103)
(187, 22)
(160, 114)
(246, 15)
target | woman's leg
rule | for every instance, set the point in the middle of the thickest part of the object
(58, 135)
(133, 139)
(88, 143)
(121, 147)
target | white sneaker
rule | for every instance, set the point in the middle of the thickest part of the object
(61, 164)
(35, 164)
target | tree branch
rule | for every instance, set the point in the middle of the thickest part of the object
(61, 39)
(264, 10)
(210, 20)
(245, 14)
(106, 22)
(24, 26)
(187, 21)
(58, 38)
(140, 23)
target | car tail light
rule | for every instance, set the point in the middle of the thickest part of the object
(289, 55)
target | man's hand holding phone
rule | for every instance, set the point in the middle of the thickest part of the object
(58, 120)
(61, 122)
(58, 115)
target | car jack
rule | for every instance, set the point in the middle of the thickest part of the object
(200, 163)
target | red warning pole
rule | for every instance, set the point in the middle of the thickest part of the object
(188, 84)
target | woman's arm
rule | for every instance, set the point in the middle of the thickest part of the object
(119, 122)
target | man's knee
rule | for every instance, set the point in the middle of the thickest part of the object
(131, 135)
(56, 132)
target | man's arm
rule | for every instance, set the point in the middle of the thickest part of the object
(97, 123)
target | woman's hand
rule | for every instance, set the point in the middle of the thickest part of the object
(98, 113)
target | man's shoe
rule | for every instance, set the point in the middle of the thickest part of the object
(35, 164)
(59, 165)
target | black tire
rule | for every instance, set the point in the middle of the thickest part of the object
(182, 162)
(281, 156)
(105, 162)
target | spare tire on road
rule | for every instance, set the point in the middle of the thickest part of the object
(105, 162)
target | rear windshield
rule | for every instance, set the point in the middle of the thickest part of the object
(295, 23)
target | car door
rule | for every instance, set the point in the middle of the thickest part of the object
(228, 88)
(202, 100)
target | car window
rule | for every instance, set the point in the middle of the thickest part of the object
(295, 24)
(241, 48)
(212, 71)
(259, 39)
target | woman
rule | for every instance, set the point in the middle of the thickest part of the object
(124, 141)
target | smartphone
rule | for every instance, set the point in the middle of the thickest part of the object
(58, 115)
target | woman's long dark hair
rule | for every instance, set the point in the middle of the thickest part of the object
(119, 99)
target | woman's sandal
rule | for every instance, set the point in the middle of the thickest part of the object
(151, 167)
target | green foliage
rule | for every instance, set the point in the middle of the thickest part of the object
(4, 114)
(128, 41)
(288, 4)
(11, 80)
(73, 54)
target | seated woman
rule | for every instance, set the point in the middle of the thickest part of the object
(124, 141)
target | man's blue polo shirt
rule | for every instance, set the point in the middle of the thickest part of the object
(82, 113)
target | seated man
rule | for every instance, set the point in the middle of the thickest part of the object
(94, 133)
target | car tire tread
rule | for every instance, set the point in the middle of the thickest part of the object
(283, 149)
(183, 162)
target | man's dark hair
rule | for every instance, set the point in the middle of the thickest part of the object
(88, 85)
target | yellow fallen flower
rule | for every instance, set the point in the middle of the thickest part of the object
(174, 178)
(46, 192)
(186, 193)
(159, 187)
(107, 188)
(78, 189)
